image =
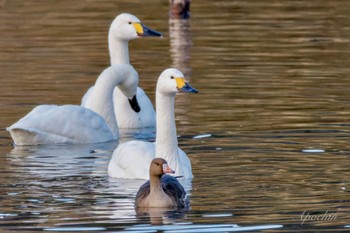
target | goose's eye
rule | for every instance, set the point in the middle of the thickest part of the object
(172, 77)
(129, 22)
(157, 164)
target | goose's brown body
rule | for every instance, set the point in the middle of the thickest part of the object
(161, 191)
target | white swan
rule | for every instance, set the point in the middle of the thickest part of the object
(124, 28)
(132, 159)
(48, 124)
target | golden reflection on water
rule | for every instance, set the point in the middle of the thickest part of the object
(272, 79)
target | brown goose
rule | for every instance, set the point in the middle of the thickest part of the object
(161, 191)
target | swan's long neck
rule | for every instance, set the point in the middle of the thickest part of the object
(102, 98)
(118, 51)
(166, 137)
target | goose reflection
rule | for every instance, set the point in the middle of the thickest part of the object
(160, 216)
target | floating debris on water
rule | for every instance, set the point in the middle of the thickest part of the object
(4, 215)
(216, 215)
(194, 228)
(313, 150)
(65, 229)
(97, 151)
(202, 136)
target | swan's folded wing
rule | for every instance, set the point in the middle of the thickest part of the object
(47, 124)
(29, 136)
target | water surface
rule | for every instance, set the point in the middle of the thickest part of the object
(273, 78)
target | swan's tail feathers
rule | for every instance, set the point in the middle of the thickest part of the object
(28, 136)
(21, 136)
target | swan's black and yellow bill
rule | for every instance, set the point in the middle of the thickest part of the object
(183, 86)
(143, 30)
(134, 104)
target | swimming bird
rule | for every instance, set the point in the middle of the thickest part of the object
(131, 159)
(161, 191)
(124, 28)
(49, 124)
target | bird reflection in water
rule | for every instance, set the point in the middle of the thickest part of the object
(179, 33)
(179, 9)
(160, 216)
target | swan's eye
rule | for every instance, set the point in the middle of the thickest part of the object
(172, 77)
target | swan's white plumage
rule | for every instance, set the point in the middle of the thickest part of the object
(132, 159)
(120, 33)
(126, 117)
(48, 124)
(126, 163)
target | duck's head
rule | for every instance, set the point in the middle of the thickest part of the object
(172, 81)
(128, 27)
(159, 167)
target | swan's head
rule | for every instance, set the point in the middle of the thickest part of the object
(128, 27)
(159, 167)
(129, 88)
(172, 81)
